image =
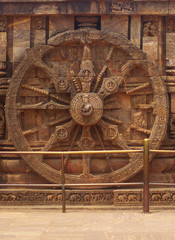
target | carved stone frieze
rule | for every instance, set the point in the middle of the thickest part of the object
(121, 7)
(150, 29)
(118, 198)
(40, 23)
(52, 197)
(3, 24)
(157, 197)
(170, 25)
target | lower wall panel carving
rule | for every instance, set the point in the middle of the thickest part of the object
(52, 197)
(157, 197)
(118, 198)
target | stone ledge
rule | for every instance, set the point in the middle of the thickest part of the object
(36, 7)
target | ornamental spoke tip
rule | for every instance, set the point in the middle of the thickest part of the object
(86, 73)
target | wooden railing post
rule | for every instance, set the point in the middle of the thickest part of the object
(63, 182)
(146, 177)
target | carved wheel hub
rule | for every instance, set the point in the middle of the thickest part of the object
(86, 90)
(86, 109)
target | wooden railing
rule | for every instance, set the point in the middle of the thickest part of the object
(145, 184)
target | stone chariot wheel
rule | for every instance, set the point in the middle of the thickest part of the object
(86, 90)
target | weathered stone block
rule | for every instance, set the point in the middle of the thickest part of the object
(3, 46)
(18, 53)
(170, 49)
(117, 24)
(60, 23)
(150, 47)
(21, 38)
(39, 37)
(136, 30)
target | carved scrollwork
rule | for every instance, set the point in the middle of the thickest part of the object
(118, 7)
(3, 24)
(170, 25)
(149, 29)
(40, 23)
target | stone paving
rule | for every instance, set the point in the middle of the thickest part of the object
(25, 223)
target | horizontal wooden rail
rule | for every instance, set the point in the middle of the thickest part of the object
(161, 151)
(162, 184)
(67, 185)
(68, 152)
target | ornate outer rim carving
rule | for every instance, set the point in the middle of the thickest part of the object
(139, 58)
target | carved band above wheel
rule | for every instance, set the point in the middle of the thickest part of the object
(86, 90)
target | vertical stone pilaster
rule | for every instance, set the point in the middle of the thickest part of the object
(135, 36)
(3, 46)
(10, 45)
(38, 30)
(115, 23)
(150, 38)
(60, 23)
(161, 44)
(21, 38)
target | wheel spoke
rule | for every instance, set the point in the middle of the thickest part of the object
(76, 82)
(86, 142)
(111, 132)
(86, 165)
(46, 68)
(51, 143)
(140, 129)
(103, 147)
(50, 124)
(48, 105)
(59, 121)
(46, 93)
(60, 84)
(146, 107)
(100, 75)
(86, 74)
(139, 88)
(61, 133)
(111, 119)
(110, 86)
(67, 158)
(30, 131)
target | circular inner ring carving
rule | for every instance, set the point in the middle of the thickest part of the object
(62, 84)
(86, 109)
(111, 132)
(61, 133)
(110, 85)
